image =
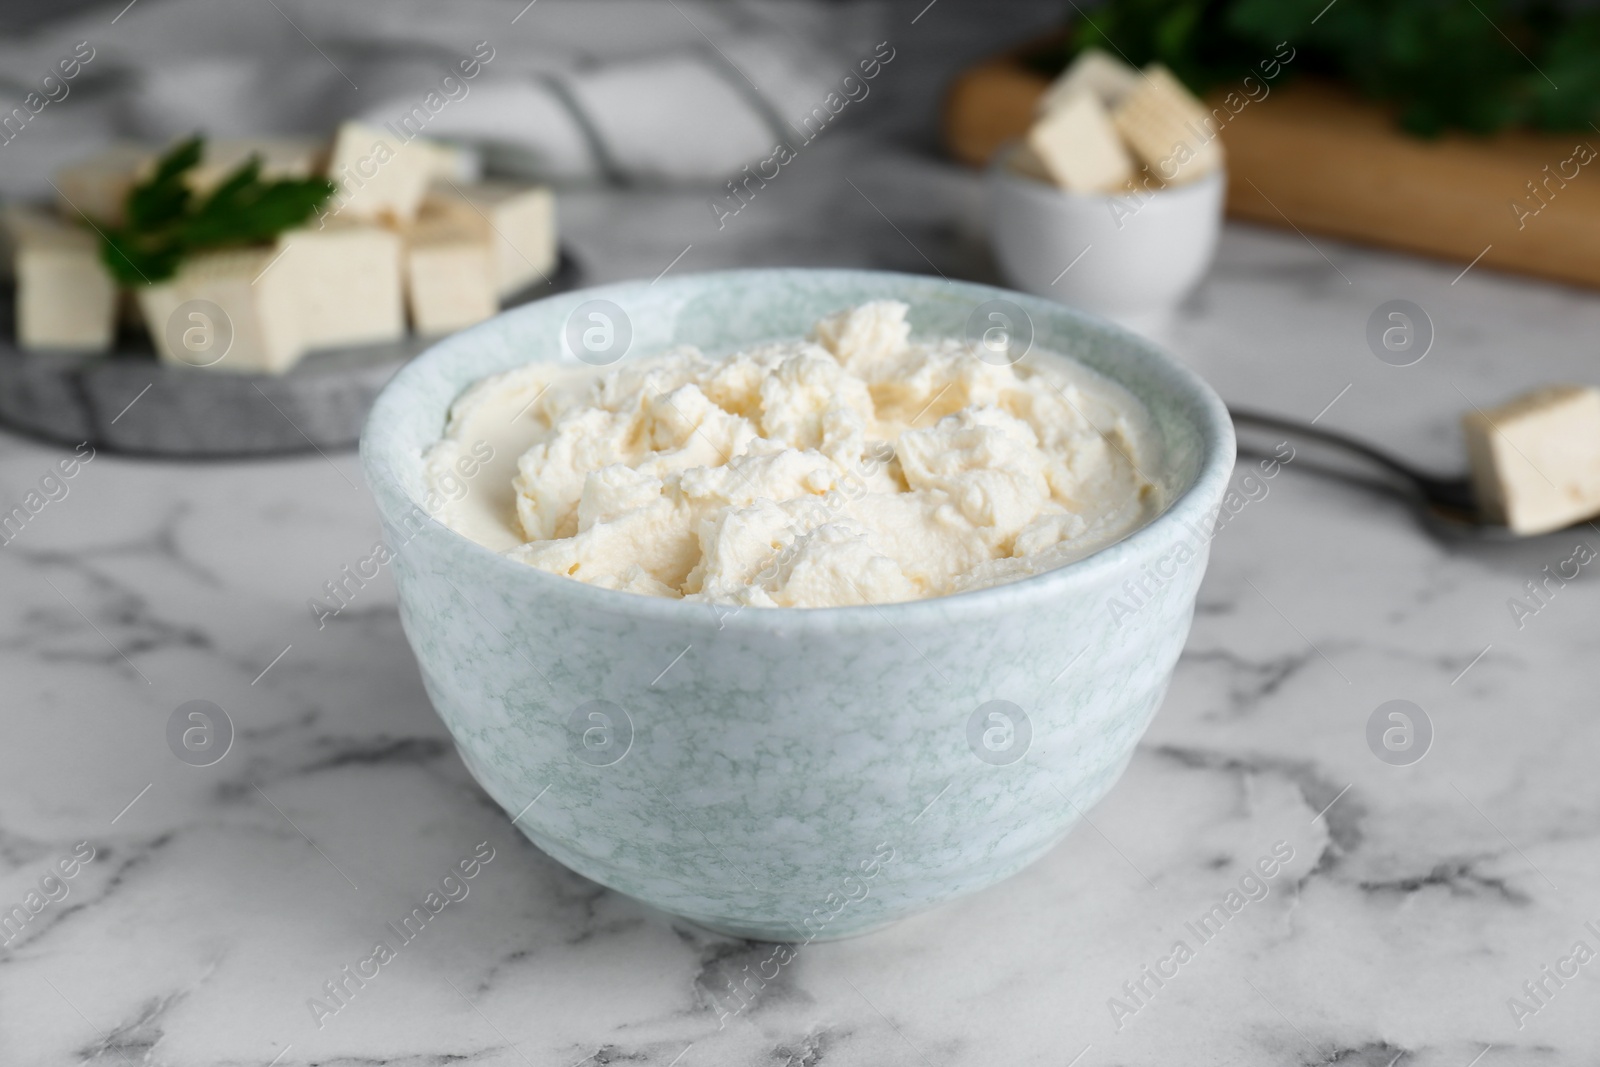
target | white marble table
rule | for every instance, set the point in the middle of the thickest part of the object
(1419, 899)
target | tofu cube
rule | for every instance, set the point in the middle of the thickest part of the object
(1095, 72)
(1536, 460)
(449, 277)
(453, 162)
(518, 222)
(381, 177)
(347, 277)
(1079, 147)
(66, 299)
(1026, 162)
(1168, 128)
(98, 186)
(259, 330)
(281, 157)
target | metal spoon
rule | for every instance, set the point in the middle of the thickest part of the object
(1447, 505)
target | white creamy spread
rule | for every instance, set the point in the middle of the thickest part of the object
(857, 467)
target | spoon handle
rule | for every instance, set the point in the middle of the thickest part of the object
(1453, 494)
(1259, 420)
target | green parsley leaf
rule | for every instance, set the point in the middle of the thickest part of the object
(165, 221)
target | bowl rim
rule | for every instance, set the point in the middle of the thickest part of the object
(1190, 509)
(999, 170)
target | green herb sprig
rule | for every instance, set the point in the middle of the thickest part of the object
(165, 221)
(1445, 64)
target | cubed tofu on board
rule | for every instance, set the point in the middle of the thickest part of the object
(66, 299)
(450, 280)
(97, 186)
(381, 177)
(408, 236)
(518, 222)
(259, 329)
(281, 157)
(347, 280)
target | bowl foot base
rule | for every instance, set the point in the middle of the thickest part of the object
(778, 934)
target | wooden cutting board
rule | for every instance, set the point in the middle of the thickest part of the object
(1315, 156)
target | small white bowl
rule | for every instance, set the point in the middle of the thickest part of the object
(1129, 258)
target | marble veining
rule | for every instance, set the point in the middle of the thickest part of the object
(1418, 901)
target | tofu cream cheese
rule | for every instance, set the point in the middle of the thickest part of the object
(854, 467)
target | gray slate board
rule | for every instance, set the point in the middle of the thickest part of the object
(128, 402)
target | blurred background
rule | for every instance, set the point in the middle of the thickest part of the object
(1446, 129)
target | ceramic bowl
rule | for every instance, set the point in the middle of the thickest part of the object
(1132, 259)
(790, 774)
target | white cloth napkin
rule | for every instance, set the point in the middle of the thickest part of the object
(628, 91)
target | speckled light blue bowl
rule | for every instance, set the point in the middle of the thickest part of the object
(787, 774)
